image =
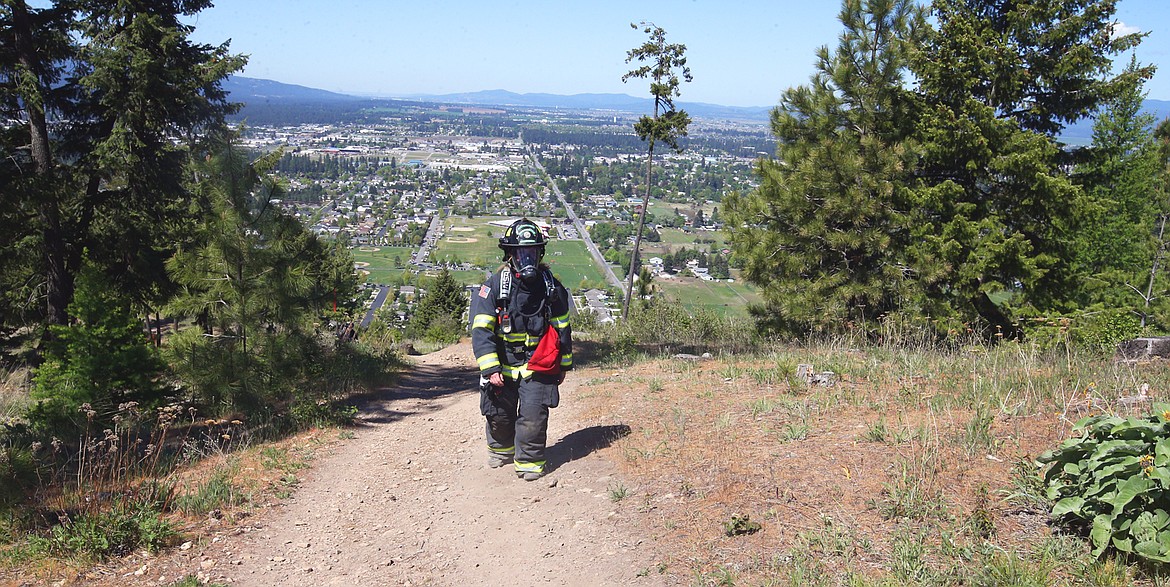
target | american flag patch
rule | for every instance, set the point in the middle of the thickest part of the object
(484, 291)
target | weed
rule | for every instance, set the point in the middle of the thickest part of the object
(977, 437)
(654, 386)
(980, 523)
(722, 575)
(217, 493)
(761, 406)
(286, 484)
(1026, 488)
(124, 527)
(346, 435)
(731, 371)
(193, 581)
(1003, 568)
(805, 571)
(1108, 572)
(618, 492)
(831, 540)
(876, 432)
(792, 432)
(279, 458)
(909, 559)
(739, 525)
(769, 375)
(911, 494)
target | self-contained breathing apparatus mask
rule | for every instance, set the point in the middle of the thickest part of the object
(526, 262)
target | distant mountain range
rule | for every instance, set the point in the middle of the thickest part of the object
(253, 91)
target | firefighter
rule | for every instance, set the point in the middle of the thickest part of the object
(520, 305)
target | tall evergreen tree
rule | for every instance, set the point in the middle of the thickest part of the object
(125, 92)
(996, 212)
(824, 233)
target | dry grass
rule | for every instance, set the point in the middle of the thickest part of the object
(14, 385)
(896, 473)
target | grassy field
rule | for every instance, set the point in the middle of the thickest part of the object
(677, 238)
(720, 297)
(380, 262)
(470, 240)
(912, 467)
(475, 241)
(571, 263)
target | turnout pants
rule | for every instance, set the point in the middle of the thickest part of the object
(517, 419)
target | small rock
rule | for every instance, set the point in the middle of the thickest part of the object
(185, 546)
(141, 571)
(552, 482)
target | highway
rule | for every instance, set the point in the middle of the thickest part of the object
(597, 258)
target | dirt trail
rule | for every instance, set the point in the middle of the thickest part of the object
(410, 501)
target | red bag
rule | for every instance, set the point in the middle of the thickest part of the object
(547, 356)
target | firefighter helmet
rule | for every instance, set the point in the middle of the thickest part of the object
(522, 233)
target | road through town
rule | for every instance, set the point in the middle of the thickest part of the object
(597, 258)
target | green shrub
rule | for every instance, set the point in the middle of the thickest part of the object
(1098, 331)
(1115, 480)
(125, 527)
(103, 360)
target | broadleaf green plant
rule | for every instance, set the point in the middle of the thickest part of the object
(1114, 480)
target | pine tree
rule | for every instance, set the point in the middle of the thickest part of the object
(136, 93)
(255, 281)
(823, 233)
(668, 123)
(102, 358)
(1118, 241)
(996, 213)
(437, 314)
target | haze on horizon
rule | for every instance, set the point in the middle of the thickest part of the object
(741, 53)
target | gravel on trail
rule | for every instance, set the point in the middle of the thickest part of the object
(410, 500)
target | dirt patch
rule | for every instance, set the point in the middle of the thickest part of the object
(369, 249)
(409, 500)
(459, 239)
(462, 229)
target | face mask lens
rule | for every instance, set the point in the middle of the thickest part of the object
(527, 257)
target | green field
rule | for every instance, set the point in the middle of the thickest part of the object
(470, 240)
(475, 241)
(571, 263)
(381, 262)
(718, 296)
(677, 238)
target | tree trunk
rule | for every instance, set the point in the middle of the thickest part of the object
(1154, 270)
(638, 236)
(58, 277)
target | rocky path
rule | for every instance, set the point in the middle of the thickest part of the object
(410, 501)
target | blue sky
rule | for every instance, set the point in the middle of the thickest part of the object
(741, 53)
